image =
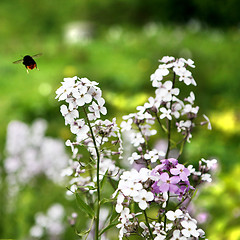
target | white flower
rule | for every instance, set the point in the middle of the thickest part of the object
(174, 215)
(186, 77)
(189, 62)
(95, 92)
(102, 109)
(188, 108)
(165, 91)
(177, 235)
(163, 69)
(69, 144)
(178, 67)
(132, 189)
(134, 157)
(167, 59)
(156, 78)
(72, 104)
(126, 125)
(153, 155)
(166, 113)
(201, 233)
(66, 88)
(184, 125)
(142, 198)
(160, 237)
(69, 115)
(37, 231)
(119, 207)
(191, 98)
(189, 229)
(145, 231)
(206, 177)
(144, 174)
(125, 215)
(83, 97)
(136, 139)
(98, 108)
(152, 102)
(120, 199)
(79, 127)
(210, 163)
(208, 122)
(191, 169)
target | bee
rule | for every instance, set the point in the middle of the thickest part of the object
(29, 62)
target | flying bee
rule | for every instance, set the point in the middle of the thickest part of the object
(29, 62)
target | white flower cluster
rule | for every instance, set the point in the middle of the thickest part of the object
(179, 68)
(83, 95)
(141, 188)
(142, 131)
(79, 92)
(128, 223)
(180, 225)
(30, 153)
(151, 156)
(185, 226)
(165, 104)
(50, 225)
(131, 186)
(204, 169)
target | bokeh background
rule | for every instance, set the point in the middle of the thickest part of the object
(118, 44)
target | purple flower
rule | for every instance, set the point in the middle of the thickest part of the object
(167, 183)
(181, 171)
(167, 164)
(184, 187)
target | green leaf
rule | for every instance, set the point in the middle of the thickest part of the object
(194, 194)
(103, 179)
(114, 216)
(109, 226)
(89, 187)
(105, 200)
(82, 233)
(84, 207)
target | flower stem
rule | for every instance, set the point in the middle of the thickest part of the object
(170, 121)
(147, 223)
(169, 137)
(162, 127)
(98, 181)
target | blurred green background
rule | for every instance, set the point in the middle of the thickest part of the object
(118, 44)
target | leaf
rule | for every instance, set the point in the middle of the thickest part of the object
(84, 232)
(103, 179)
(89, 187)
(105, 200)
(108, 227)
(114, 216)
(84, 207)
(194, 193)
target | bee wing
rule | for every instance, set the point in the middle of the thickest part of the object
(37, 55)
(18, 61)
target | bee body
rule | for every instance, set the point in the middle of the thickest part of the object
(29, 62)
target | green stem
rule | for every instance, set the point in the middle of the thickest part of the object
(182, 145)
(149, 228)
(98, 181)
(170, 121)
(158, 119)
(169, 137)
(165, 217)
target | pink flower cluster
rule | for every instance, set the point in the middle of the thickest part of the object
(171, 176)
